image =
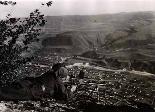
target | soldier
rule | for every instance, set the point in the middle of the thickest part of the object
(61, 75)
(81, 76)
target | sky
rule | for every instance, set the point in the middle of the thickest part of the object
(77, 7)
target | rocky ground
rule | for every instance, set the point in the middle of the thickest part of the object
(100, 86)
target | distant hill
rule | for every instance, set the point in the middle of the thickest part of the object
(122, 36)
(113, 31)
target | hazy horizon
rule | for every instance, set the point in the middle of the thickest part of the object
(77, 7)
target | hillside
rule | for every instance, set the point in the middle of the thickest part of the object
(96, 30)
(123, 36)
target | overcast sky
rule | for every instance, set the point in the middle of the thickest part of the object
(78, 7)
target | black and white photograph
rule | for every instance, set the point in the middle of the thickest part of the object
(77, 55)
